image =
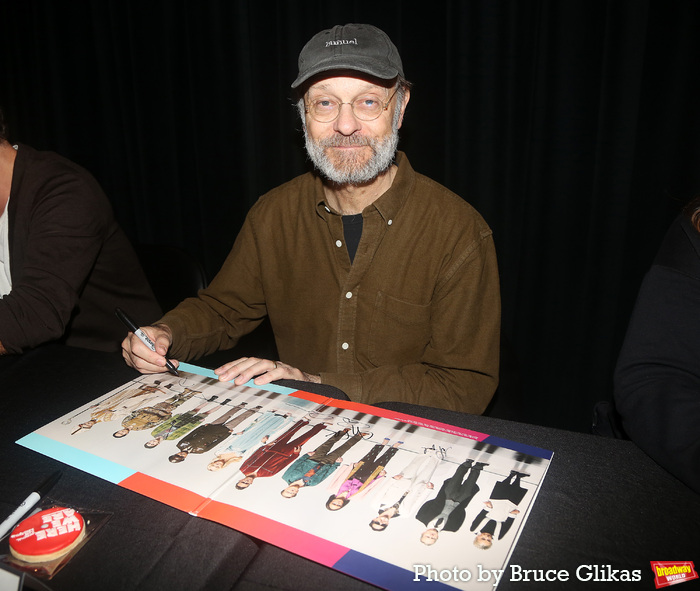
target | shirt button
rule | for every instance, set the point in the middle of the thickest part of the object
(338, 243)
(348, 295)
(345, 346)
(390, 222)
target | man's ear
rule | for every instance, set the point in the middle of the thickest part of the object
(406, 98)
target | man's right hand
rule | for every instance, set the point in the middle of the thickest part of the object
(140, 357)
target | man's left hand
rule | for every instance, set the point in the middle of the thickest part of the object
(247, 368)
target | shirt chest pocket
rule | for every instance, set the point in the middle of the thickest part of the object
(400, 331)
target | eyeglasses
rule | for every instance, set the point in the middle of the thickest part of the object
(365, 108)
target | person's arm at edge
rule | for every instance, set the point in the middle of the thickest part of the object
(657, 378)
(64, 240)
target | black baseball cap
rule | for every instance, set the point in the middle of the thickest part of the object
(362, 48)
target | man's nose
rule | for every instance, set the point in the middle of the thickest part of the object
(346, 122)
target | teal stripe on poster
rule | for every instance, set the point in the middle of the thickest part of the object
(74, 457)
(200, 371)
(203, 371)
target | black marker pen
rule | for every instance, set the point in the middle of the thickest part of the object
(28, 503)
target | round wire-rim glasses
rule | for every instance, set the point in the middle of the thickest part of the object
(326, 110)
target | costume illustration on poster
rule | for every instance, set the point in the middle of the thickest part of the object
(381, 496)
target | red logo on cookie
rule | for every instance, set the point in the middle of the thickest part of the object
(671, 573)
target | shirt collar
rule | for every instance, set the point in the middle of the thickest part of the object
(388, 204)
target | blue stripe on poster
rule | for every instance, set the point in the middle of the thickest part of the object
(521, 447)
(387, 575)
(82, 460)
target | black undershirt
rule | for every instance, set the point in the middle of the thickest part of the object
(352, 229)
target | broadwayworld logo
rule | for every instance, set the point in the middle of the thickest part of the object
(672, 573)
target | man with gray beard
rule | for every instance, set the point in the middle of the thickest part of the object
(376, 279)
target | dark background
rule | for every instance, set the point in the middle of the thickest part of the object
(571, 125)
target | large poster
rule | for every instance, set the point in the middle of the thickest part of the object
(379, 495)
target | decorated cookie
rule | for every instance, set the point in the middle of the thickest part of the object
(47, 535)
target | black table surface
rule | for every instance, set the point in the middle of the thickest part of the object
(603, 502)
